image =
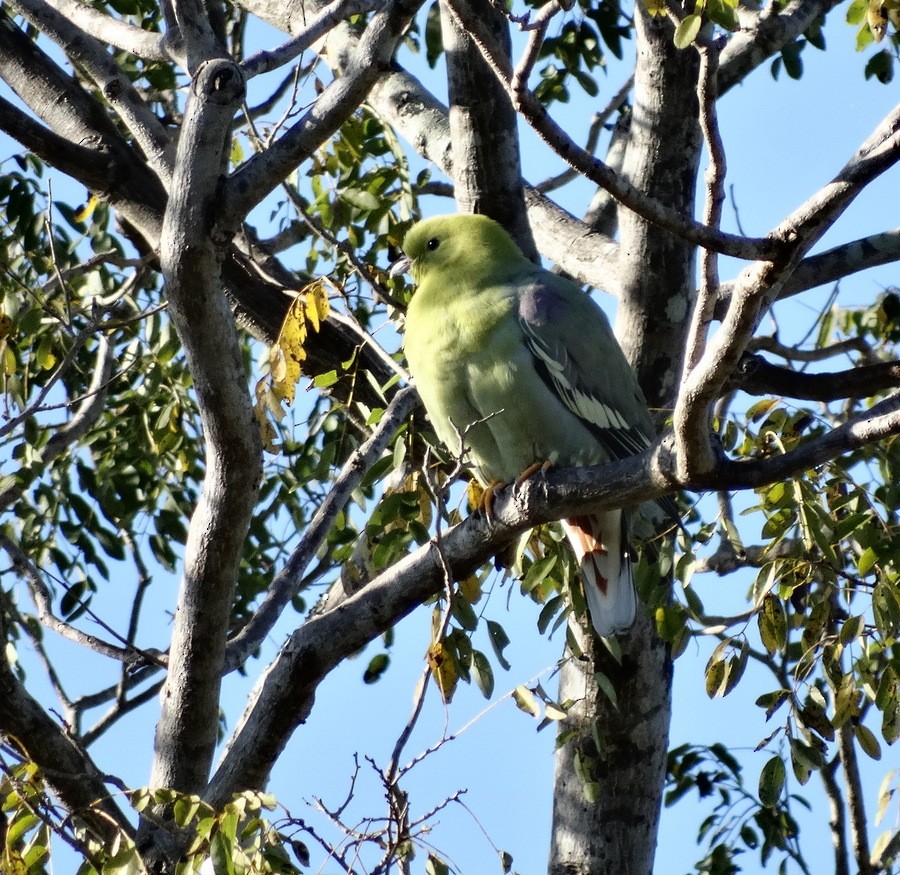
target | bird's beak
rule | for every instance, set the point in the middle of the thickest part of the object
(401, 265)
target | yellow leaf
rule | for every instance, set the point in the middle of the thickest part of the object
(316, 303)
(471, 589)
(88, 209)
(876, 17)
(443, 669)
(309, 308)
(526, 701)
(266, 429)
(474, 494)
(290, 352)
(8, 365)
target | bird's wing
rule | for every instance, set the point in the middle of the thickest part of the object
(577, 356)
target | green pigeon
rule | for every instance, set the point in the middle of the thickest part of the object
(519, 367)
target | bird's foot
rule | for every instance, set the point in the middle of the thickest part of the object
(530, 471)
(482, 497)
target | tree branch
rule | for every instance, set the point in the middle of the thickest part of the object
(127, 37)
(326, 20)
(91, 55)
(487, 171)
(712, 210)
(756, 376)
(191, 262)
(266, 170)
(765, 34)
(760, 285)
(859, 833)
(593, 168)
(66, 767)
(837, 820)
(830, 266)
(286, 583)
(284, 696)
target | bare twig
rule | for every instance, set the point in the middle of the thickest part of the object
(793, 353)
(597, 123)
(44, 602)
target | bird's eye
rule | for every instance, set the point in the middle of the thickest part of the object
(433, 244)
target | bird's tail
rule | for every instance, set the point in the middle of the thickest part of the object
(601, 551)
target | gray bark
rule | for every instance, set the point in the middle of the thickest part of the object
(487, 169)
(617, 832)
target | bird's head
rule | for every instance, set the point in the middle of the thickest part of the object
(460, 243)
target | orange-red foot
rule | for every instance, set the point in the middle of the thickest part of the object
(531, 470)
(482, 497)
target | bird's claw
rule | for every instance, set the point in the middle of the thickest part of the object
(482, 497)
(530, 471)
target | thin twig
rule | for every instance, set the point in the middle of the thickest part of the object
(285, 584)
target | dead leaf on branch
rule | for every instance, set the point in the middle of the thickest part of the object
(286, 356)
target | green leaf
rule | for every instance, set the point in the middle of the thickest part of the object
(851, 629)
(606, 685)
(771, 782)
(866, 561)
(538, 571)
(499, 641)
(716, 671)
(484, 674)
(434, 43)
(377, 666)
(856, 11)
(772, 622)
(436, 866)
(867, 741)
(464, 613)
(687, 30)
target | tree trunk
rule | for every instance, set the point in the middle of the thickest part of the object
(610, 774)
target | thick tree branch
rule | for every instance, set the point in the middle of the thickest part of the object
(116, 173)
(830, 266)
(756, 376)
(326, 20)
(127, 37)
(91, 55)
(195, 33)
(284, 696)
(191, 263)
(487, 171)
